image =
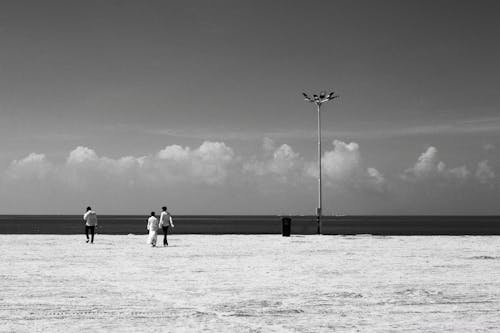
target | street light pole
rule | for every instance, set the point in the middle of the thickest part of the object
(319, 100)
(320, 189)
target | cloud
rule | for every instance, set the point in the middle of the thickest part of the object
(213, 163)
(281, 162)
(343, 161)
(86, 158)
(34, 166)
(344, 165)
(376, 179)
(284, 159)
(460, 173)
(182, 173)
(81, 155)
(341, 166)
(84, 167)
(268, 145)
(484, 173)
(208, 164)
(430, 167)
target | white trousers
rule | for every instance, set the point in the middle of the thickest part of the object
(153, 236)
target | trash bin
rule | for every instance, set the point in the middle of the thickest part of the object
(286, 226)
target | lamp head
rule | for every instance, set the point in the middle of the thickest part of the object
(306, 97)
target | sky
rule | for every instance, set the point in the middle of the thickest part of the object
(131, 105)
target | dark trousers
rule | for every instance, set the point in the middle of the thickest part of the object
(165, 232)
(92, 230)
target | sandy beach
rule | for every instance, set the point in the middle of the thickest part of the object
(244, 283)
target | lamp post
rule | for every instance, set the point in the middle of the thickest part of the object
(318, 101)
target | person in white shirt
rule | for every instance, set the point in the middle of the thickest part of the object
(165, 222)
(90, 218)
(153, 226)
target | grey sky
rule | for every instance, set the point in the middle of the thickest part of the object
(129, 78)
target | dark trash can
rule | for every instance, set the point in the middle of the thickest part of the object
(286, 226)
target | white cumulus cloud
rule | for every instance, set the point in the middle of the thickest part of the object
(344, 165)
(484, 172)
(84, 167)
(281, 162)
(430, 167)
(33, 166)
(209, 163)
(268, 145)
(81, 155)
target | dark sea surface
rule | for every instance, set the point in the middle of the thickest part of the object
(259, 224)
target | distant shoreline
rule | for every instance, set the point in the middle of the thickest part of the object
(261, 224)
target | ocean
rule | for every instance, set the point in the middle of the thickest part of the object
(259, 224)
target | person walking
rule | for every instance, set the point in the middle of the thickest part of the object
(90, 218)
(153, 226)
(165, 222)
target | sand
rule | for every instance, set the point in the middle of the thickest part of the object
(250, 283)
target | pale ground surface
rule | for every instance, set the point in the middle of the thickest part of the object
(250, 283)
